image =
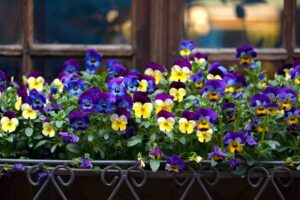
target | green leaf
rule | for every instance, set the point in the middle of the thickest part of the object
(29, 132)
(40, 143)
(154, 165)
(59, 124)
(53, 148)
(182, 140)
(106, 136)
(191, 98)
(134, 141)
(213, 163)
(73, 148)
(272, 143)
(90, 138)
(170, 136)
(152, 137)
(10, 138)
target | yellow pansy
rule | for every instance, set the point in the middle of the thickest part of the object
(262, 83)
(178, 94)
(9, 125)
(48, 130)
(235, 146)
(18, 103)
(195, 158)
(287, 74)
(213, 77)
(185, 52)
(154, 73)
(286, 105)
(297, 80)
(28, 112)
(60, 86)
(204, 136)
(142, 110)
(179, 74)
(164, 105)
(186, 126)
(198, 61)
(143, 85)
(118, 123)
(36, 83)
(166, 125)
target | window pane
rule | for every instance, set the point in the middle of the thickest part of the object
(224, 23)
(9, 21)
(11, 66)
(83, 22)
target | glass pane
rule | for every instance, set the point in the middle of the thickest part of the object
(11, 66)
(226, 23)
(9, 21)
(51, 67)
(83, 22)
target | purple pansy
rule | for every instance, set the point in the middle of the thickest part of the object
(93, 60)
(156, 153)
(189, 115)
(36, 99)
(141, 97)
(214, 90)
(245, 54)
(19, 167)
(198, 56)
(154, 66)
(165, 114)
(260, 102)
(68, 137)
(88, 99)
(110, 63)
(85, 163)
(105, 102)
(116, 87)
(230, 111)
(174, 164)
(183, 63)
(131, 83)
(198, 80)
(217, 154)
(116, 71)
(186, 47)
(125, 102)
(75, 86)
(234, 164)
(71, 67)
(79, 121)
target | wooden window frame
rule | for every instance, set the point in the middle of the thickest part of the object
(157, 30)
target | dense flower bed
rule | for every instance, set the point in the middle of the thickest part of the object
(198, 110)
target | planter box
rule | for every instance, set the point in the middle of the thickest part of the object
(117, 180)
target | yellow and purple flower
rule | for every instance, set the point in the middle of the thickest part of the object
(174, 164)
(181, 71)
(36, 99)
(116, 87)
(198, 57)
(75, 86)
(245, 54)
(214, 90)
(79, 120)
(284, 70)
(292, 119)
(198, 80)
(177, 90)
(142, 105)
(216, 71)
(230, 111)
(230, 80)
(146, 83)
(155, 70)
(71, 67)
(93, 60)
(205, 118)
(234, 141)
(88, 99)
(164, 102)
(260, 103)
(165, 121)
(288, 98)
(9, 122)
(217, 154)
(187, 122)
(295, 74)
(186, 47)
(119, 120)
(156, 153)
(105, 102)
(68, 137)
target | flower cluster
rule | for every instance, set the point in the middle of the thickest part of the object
(234, 110)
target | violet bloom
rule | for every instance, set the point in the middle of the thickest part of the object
(3, 81)
(19, 167)
(36, 99)
(116, 87)
(131, 130)
(260, 103)
(234, 141)
(183, 63)
(198, 80)
(234, 164)
(214, 90)
(131, 83)
(174, 164)
(292, 117)
(216, 71)
(217, 154)
(189, 115)
(41, 176)
(68, 137)
(116, 71)
(75, 86)
(88, 99)
(93, 60)
(125, 102)
(155, 70)
(230, 111)
(231, 82)
(141, 97)
(110, 63)
(146, 83)
(205, 118)
(240, 81)
(86, 163)
(79, 121)
(288, 99)
(22, 92)
(105, 103)
(156, 153)
(186, 47)
(71, 67)
(245, 54)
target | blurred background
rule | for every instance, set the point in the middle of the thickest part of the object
(147, 30)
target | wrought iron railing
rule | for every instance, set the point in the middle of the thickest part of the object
(259, 176)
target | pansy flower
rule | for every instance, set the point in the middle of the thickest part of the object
(3, 81)
(36, 83)
(163, 102)
(234, 164)
(48, 129)
(28, 112)
(68, 137)
(105, 102)
(245, 54)
(79, 120)
(214, 90)
(88, 99)
(181, 71)
(262, 81)
(75, 86)
(146, 83)
(116, 87)
(116, 71)
(295, 74)
(198, 57)
(174, 164)
(19, 167)
(259, 126)
(156, 153)
(284, 70)
(120, 119)
(292, 117)
(93, 60)
(125, 102)
(71, 67)
(165, 121)
(276, 96)
(110, 63)
(155, 70)
(260, 103)
(9, 122)
(288, 98)
(186, 47)
(217, 154)
(85, 163)
(177, 90)
(142, 105)
(234, 141)
(205, 118)
(187, 122)
(58, 84)
(131, 83)
(230, 111)
(240, 81)
(216, 71)
(36, 99)
(230, 81)
(198, 80)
